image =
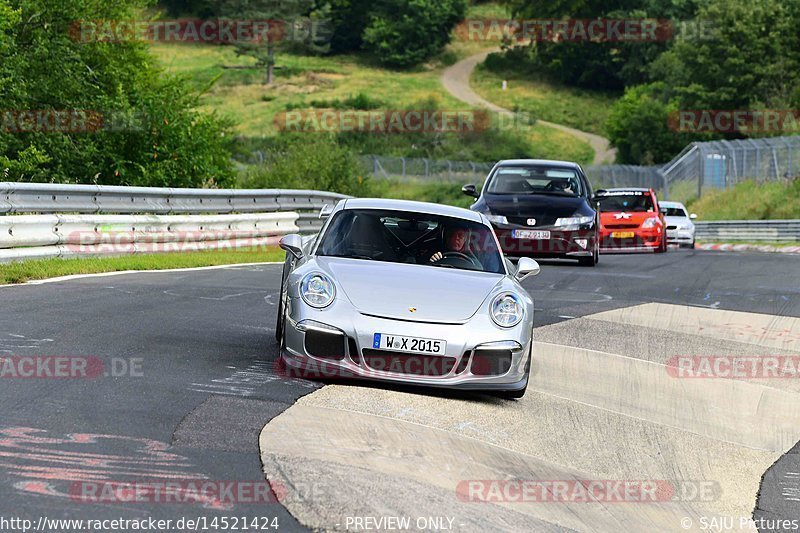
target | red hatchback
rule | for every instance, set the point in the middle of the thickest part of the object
(630, 221)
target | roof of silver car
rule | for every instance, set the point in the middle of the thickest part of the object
(671, 204)
(538, 162)
(411, 206)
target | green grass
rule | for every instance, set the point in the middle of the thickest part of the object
(22, 271)
(750, 200)
(305, 82)
(578, 108)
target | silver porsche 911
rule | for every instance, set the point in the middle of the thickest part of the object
(407, 292)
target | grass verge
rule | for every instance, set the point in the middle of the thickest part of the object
(569, 106)
(22, 271)
(750, 200)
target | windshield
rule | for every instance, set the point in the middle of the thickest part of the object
(675, 212)
(413, 238)
(637, 202)
(535, 179)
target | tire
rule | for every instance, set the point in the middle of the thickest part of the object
(512, 394)
(517, 394)
(692, 246)
(662, 248)
(591, 261)
(280, 324)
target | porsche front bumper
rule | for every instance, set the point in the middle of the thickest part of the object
(338, 344)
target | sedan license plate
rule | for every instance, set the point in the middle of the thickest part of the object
(400, 343)
(530, 234)
(622, 235)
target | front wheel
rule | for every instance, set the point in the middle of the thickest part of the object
(590, 261)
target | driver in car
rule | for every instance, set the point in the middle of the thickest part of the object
(455, 241)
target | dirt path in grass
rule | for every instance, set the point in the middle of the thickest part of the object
(456, 80)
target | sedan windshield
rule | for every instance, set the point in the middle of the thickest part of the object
(535, 179)
(676, 212)
(636, 202)
(414, 238)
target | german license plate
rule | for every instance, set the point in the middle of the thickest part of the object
(530, 234)
(401, 343)
(622, 235)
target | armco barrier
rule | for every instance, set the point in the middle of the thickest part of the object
(111, 220)
(749, 230)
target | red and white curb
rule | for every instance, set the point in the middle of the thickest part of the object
(749, 248)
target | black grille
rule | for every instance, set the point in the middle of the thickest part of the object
(491, 362)
(353, 349)
(408, 363)
(541, 220)
(462, 366)
(620, 226)
(672, 227)
(325, 345)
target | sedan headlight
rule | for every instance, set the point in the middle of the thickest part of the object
(497, 219)
(649, 223)
(507, 310)
(317, 290)
(573, 223)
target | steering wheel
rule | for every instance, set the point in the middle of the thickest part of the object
(458, 256)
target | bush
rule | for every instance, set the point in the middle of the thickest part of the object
(150, 132)
(314, 162)
(638, 127)
(402, 33)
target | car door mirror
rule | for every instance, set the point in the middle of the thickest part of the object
(527, 267)
(663, 211)
(470, 190)
(326, 211)
(293, 243)
(693, 216)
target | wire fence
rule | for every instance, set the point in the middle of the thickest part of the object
(699, 167)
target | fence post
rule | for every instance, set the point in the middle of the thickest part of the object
(427, 170)
(403, 159)
(375, 165)
(701, 171)
(449, 170)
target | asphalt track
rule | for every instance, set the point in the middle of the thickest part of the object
(205, 385)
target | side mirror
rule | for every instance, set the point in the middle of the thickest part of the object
(292, 243)
(470, 190)
(693, 216)
(326, 211)
(663, 211)
(527, 267)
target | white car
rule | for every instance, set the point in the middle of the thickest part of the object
(680, 228)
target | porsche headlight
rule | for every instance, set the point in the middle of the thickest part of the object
(506, 310)
(573, 223)
(497, 219)
(649, 223)
(317, 290)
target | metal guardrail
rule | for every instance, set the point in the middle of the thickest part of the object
(749, 230)
(113, 220)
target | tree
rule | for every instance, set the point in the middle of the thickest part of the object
(638, 126)
(402, 33)
(286, 22)
(145, 128)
